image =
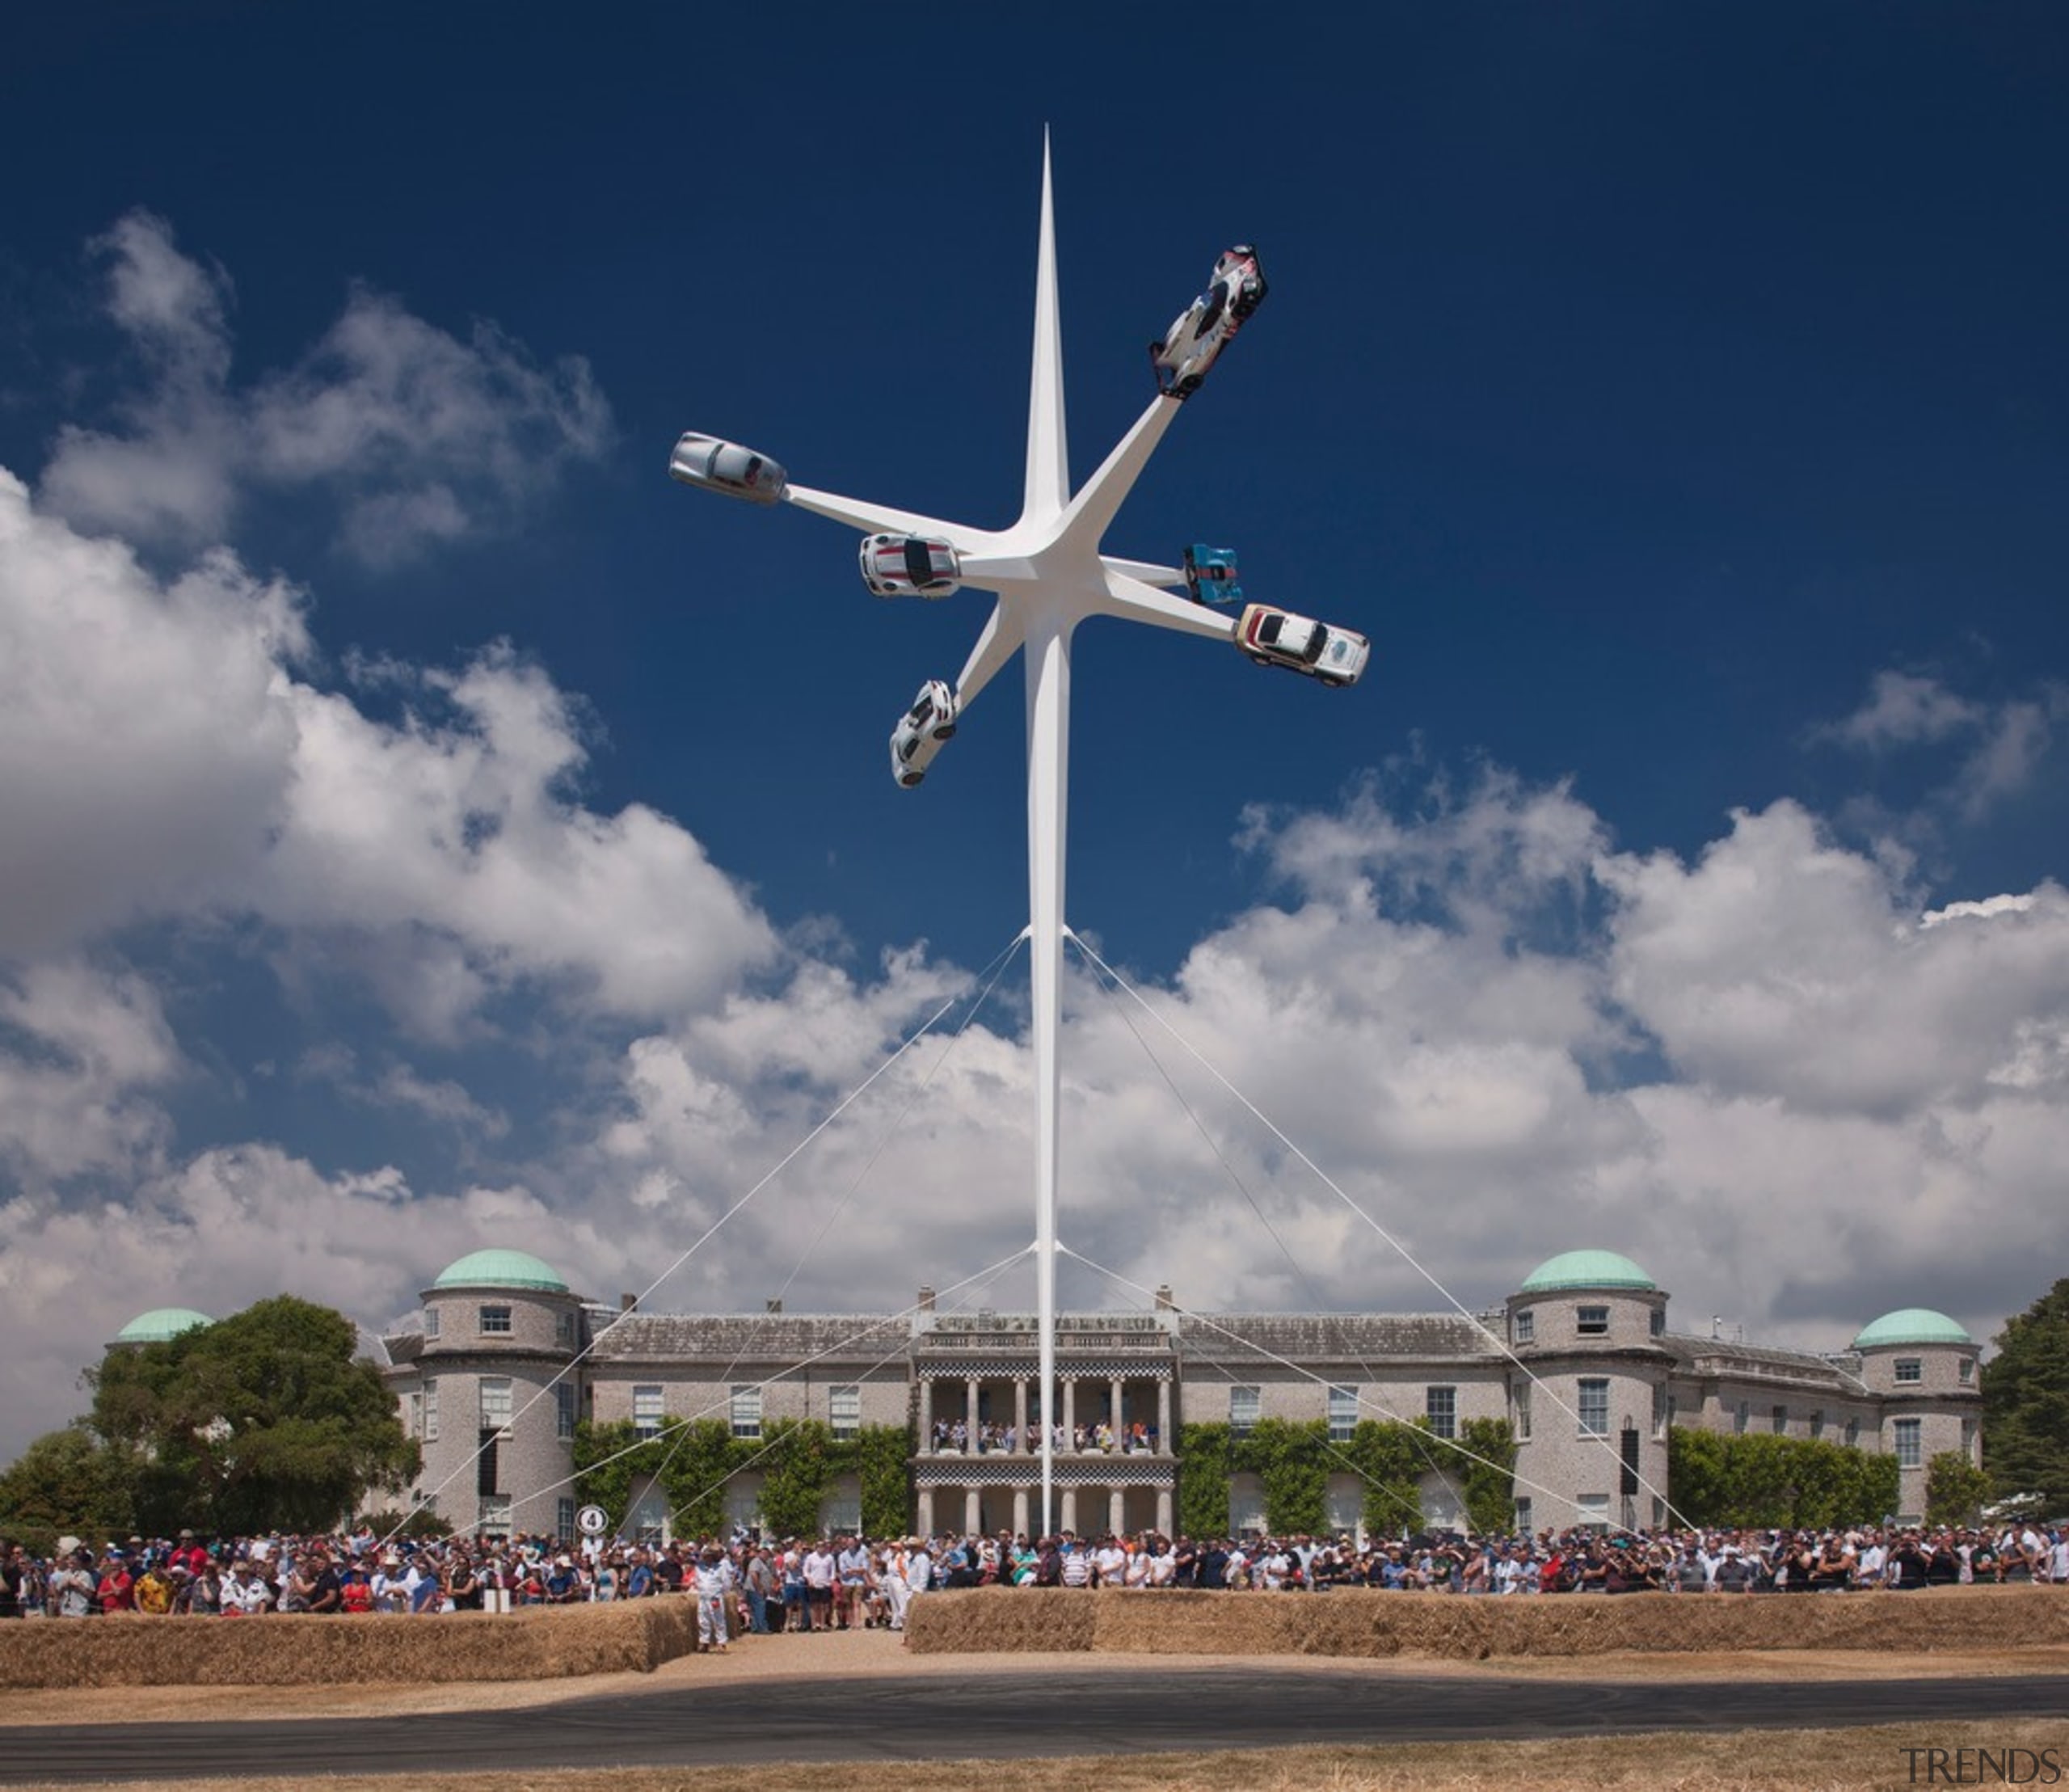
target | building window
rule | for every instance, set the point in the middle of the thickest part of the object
(1591, 1322)
(431, 1412)
(1594, 1406)
(563, 1518)
(563, 1396)
(564, 1329)
(1781, 1421)
(845, 1406)
(1853, 1434)
(1967, 1367)
(647, 1408)
(1662, 1412)
(1742, 1416)
(1593, 1509)
(1243, 1403)
(1911, 1368)
(1523, 1515)
(1523, 1412)
(1526, 1326)
(431, 1322)
(1968, 1439)
(1658, 1322)
(1673, 1410)
(495, 1321)
(1909, 1451)
(494, 1515)
(747, 1412)
(1817, 1424)
(415, 1425)
(1440, 1405)
(1343, 1413)
(495, 1403)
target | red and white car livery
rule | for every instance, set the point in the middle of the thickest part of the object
(1276, 637)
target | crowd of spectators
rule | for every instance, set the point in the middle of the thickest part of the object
(750, 1583)
(953, 1436)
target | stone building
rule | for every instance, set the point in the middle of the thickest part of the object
(1581, 1360)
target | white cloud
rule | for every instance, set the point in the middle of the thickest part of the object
(159, 757)
(1902, 709)
(1783, 964)
(2002, 744)
(81, 1046)
(418, 435)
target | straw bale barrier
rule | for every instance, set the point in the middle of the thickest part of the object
(1367, 1623)
(276, 1650)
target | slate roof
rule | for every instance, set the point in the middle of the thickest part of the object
(775, 1337)
(1332, 1337)
(1716, 1356)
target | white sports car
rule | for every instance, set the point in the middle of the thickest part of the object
(1200, 333)
(910, 566)
(920, 732)
(1279, 638)
(726, 467)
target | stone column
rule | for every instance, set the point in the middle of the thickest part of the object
(1070, 1412)
(1164, 1514)
(973, 1512)
(1067, 1516)
(1020, 1511)
(1165, 1442)
(926, 1415)
(926, 1511)
(1117, 1509)
(1019, 1416)
(1113, 1409)
(969, 1386)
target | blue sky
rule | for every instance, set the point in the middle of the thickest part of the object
(429, 827)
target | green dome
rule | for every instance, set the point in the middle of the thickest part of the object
(501, 1269)
(1586, 1269)
(161, 1323)
(1912, 1325)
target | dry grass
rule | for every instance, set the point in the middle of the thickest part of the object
(1822, 1760)
(277, 1651)
(1370, 1624)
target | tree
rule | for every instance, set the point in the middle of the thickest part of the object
(1955, 1489)
(262, 1421)
(2025, 1403)
(67, 1481)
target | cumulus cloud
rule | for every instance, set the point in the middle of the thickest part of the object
(160, 756)
(82, 1048)
(418, 435)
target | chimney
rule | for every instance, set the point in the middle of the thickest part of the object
(776, 1305)
(926, 1299)
(627, 1302)
(1165, 1303)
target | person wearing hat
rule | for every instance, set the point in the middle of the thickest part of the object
(357, 1593)
(117, 1591)
(75, 1589)
(153, 1592)
(714, 1582)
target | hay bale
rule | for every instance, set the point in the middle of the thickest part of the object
(1362, 1623)
(1001, 1620)
(279, 1650)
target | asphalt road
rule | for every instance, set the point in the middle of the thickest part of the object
(1079, 1711)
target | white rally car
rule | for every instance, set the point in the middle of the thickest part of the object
(1279, 638)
